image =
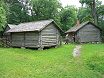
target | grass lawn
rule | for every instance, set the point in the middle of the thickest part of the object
(53, 63)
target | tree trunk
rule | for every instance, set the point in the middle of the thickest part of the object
(94, 13)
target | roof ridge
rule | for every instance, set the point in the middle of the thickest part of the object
(76, 28)
(31, 26)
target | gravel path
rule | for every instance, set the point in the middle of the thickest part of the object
(76, 51)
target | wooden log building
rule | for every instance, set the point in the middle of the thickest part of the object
(38, 34)
(84, 33)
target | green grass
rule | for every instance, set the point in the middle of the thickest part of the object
(52, 63)
(93, 57)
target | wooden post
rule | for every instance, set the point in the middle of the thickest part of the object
(24, 39)
(40, 42)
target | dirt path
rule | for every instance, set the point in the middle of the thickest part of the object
(76, 51)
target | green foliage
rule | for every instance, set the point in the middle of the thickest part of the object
(45, 9)
(92, 5)
(84, 15)
(2, 16)
(68, 17)
(89, 2)
(17, 13)
(100, 12)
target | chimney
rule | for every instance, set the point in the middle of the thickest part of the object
(78, 23)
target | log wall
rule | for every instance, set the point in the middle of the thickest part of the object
(89, 33)
(27, 39)
(50, 36)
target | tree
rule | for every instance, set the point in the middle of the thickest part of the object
(68, 17)
(17, 12)
(84, 14)
(2, 15)
(100, 12)
(92, 5)
(45, 9)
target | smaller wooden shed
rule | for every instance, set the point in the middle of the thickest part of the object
(38, 34)
(85, 32)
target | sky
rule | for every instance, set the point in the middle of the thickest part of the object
(73, 2)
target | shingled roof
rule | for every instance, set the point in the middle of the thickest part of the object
(11, 26)
(76, 28)
(31, 26)
(8, 27)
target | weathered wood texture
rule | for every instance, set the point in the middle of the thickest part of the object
(50, 36)
(31, 39)
(89, 33)
(6, 35)
(27, 39)
(18, 39)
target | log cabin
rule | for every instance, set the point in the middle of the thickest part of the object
(84, 33)
(40, 34)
